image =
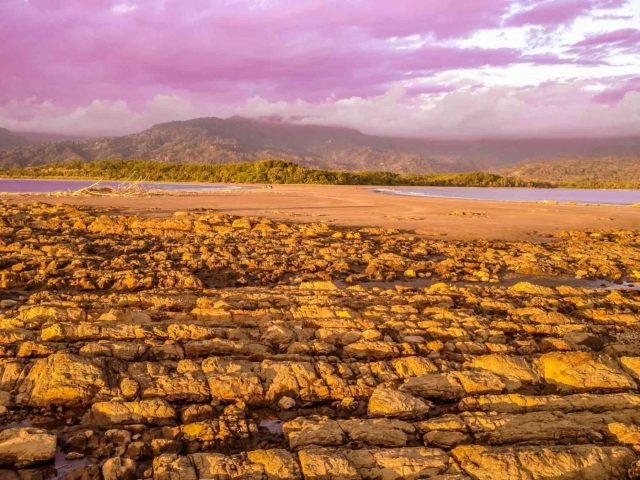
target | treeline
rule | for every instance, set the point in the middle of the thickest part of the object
(266, 172)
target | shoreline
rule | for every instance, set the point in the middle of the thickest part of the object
(402, 191)
(197, 182)
(359, 206)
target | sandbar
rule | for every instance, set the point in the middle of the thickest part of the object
(360, 206)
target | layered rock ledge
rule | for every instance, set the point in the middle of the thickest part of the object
(206, 346)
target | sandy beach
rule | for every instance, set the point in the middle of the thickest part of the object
(360, 206)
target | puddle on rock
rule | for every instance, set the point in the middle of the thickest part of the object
(272, 425)
(63, 466)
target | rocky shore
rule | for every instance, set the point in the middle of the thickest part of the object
(206, 346)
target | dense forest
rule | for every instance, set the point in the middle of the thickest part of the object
(267, 171)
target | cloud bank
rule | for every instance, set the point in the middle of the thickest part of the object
(409, 67)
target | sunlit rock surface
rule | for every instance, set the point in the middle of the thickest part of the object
(204, 346)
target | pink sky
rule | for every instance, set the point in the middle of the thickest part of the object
(429, 68)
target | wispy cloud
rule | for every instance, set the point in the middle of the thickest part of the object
(124, 8)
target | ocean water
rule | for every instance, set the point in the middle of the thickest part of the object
(15, 185)
(562, 195)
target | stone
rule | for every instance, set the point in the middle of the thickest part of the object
(625, 434)
(434, 386)
(119, 468)
(388, 402)
(326, 464)
(370, 350)
(517, 403)
(308, 431)
(631, 365)
(173, 467)
(506, 365)
(529, 428)
(407, 367)
(582, 371)
(318, 286)
(63, 379)
(24, 446)
(480, 382)
(410, 463)
(152, 412)
(381, 432)
(278, 464)
(580, 462)
(531, 289)
(445, 439)
(286, 403)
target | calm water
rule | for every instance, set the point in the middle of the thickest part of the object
(14, 185)
(614, 197)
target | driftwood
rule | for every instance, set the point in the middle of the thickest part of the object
(127, 188)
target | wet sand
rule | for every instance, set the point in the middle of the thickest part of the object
(359, 206)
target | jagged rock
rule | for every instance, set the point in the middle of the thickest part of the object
(63, 379)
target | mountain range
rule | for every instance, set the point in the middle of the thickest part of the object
(238, 139)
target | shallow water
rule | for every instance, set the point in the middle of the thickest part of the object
(508, 280)
(16, 185)
(563, 195)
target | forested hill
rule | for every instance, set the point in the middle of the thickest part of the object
(237, 139)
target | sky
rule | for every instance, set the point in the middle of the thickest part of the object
(417, 68)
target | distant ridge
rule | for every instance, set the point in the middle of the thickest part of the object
(588, 170)
(9, 139)
(237, 139)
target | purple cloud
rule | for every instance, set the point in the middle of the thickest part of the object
(308, 49)
(617, 91)
(626, 37)
(552, 13)
(78, 53)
